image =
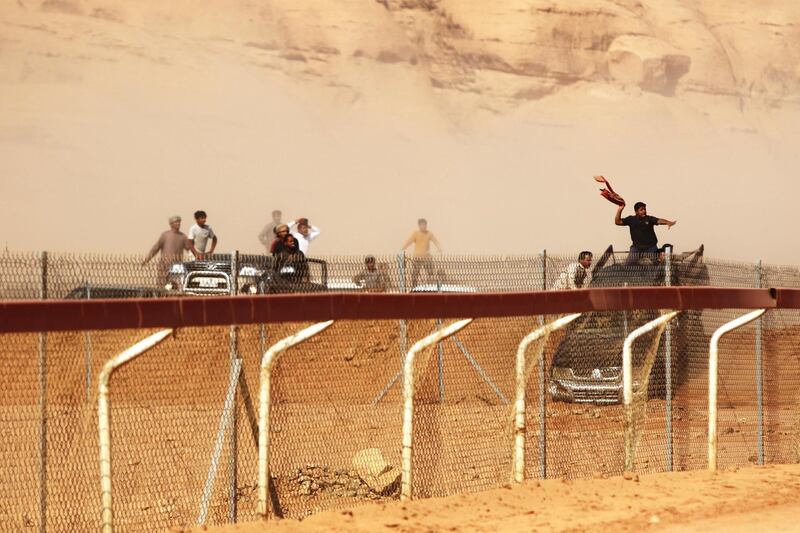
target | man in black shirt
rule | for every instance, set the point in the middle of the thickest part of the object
(642, 227)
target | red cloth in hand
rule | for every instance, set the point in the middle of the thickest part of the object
(608, 193)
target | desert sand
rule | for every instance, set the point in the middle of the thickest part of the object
(366, 115)
(166, 409)
(755, 498)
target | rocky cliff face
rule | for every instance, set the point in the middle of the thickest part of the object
(386, 110)
(473, 56)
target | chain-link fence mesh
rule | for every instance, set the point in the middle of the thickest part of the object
(180, 457)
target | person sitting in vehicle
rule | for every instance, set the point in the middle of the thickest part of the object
(290, 262)
(371, 278)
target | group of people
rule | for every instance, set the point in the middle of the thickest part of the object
(290, 243)
(173, 243)
(278, 238)
(644, 247)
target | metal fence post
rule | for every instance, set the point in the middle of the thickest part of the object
(440, 353)
(668, 363)
(43, 406)
(88, 340)
(759, 375)
(401, 285)
(542, 388)
(235, 363)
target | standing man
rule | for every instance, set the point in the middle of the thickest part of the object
(172, 243)
(304, 234)
(577, 274)
(199, 234)
(267, 234)
(642, 228)
(421, 239)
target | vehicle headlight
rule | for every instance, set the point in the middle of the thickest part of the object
(249, 271)
(177, 269)
(287, 270)
(562, 373)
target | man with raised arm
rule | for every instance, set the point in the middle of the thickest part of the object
(304, 232)
(642, 228)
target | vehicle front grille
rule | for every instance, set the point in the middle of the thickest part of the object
(208, 266)
(207, 283)
(595, 395)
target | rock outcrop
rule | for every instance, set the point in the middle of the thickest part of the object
(472, 55)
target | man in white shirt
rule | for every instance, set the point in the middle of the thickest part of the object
(199, 235)
(577, 275)
(304, 233)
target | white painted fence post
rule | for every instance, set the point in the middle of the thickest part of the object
(408, 401)
(713, 366)
(264, 401)
(627, 381)
(104, 420)
(540, 333)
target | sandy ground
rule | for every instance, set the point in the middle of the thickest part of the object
(764, 498)
(166, 409)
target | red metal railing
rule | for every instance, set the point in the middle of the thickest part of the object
(74, 315)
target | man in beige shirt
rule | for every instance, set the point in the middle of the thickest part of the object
(267, 234)
(172, 243)
(422, 239)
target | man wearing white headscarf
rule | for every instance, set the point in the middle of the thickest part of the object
(172, 243)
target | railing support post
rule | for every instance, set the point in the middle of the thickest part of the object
(406, 476)
(235, 363)
(543, 387)
(43, 405)
(713, 366)
(539, 334)
(264, 403)
(668, 365)
(627, 382)
(104, 420)
(759, 375)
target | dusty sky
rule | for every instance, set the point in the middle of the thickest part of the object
(98, 147)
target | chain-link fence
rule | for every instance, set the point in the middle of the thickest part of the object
(184, 415)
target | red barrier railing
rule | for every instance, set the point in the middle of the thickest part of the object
(75, 315)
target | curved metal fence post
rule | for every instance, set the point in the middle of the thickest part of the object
(540, 333)
(408, 400)
(627, 381)
(104, 420)
(713, 366)
(267, 361)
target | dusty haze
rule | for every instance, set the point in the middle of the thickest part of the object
(489, 119)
